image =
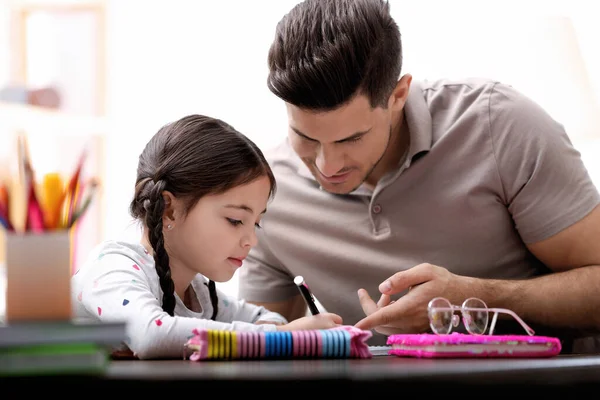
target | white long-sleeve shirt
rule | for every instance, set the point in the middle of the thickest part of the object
(119, 283)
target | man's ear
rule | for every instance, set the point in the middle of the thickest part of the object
(170, 211)
(400, 93)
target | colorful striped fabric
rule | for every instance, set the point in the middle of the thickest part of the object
(340, 342)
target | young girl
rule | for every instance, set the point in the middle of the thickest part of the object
(200, 192)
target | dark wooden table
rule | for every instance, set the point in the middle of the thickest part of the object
(379, 375)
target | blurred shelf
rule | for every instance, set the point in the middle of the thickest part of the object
(35, 119)
(55, 5)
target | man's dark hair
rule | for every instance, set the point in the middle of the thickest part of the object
(327, 51)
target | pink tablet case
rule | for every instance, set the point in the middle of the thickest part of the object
(458, 345)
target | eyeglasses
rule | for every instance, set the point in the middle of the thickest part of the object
(475, 316)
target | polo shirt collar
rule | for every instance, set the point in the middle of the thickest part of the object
(418, 120)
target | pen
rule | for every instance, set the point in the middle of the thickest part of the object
(308, 297)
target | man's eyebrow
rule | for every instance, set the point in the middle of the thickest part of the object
(243, 207)
(347, 139)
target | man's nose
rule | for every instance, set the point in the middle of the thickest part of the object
(328, 161)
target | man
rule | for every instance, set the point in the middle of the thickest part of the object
(407, 191)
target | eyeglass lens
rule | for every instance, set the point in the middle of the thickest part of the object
(475, 321)
(440, 316)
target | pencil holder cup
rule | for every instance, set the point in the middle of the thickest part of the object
(38, 277)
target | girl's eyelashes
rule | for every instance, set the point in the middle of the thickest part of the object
(237, 222)
(234, 222)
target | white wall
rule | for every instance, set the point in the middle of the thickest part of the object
(168, 58)
(171, 58)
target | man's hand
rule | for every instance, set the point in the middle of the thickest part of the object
(409, 313)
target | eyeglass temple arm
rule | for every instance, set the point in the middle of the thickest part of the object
(527, 328)
(493, 325)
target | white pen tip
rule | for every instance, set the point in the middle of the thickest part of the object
(299, 280)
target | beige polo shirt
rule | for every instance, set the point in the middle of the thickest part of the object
(488, 171)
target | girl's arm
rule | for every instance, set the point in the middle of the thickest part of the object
(117, 289)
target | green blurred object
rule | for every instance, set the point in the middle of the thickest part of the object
(52, 359)
(58, 347)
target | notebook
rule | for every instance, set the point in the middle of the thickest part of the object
(459, 345)
(340, 342)
(377, 351)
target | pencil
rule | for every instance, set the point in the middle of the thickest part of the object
(52, 198)
(91, 191)
(4, 220)
(71, 190)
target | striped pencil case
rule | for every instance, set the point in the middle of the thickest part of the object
(340, 342)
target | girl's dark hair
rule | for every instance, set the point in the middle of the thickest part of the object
(326, 51)
(192, 157)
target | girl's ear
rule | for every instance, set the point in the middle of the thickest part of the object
(170, 211)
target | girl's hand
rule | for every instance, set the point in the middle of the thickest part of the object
(319, 321)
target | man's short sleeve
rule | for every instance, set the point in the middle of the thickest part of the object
(263, 278)
(546, 185)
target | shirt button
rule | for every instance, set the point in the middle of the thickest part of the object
(376, 208)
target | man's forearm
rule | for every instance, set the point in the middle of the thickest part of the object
(569, 299)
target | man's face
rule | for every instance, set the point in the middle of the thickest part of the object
(340, 147)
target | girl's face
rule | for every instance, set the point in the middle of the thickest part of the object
(217, 233)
